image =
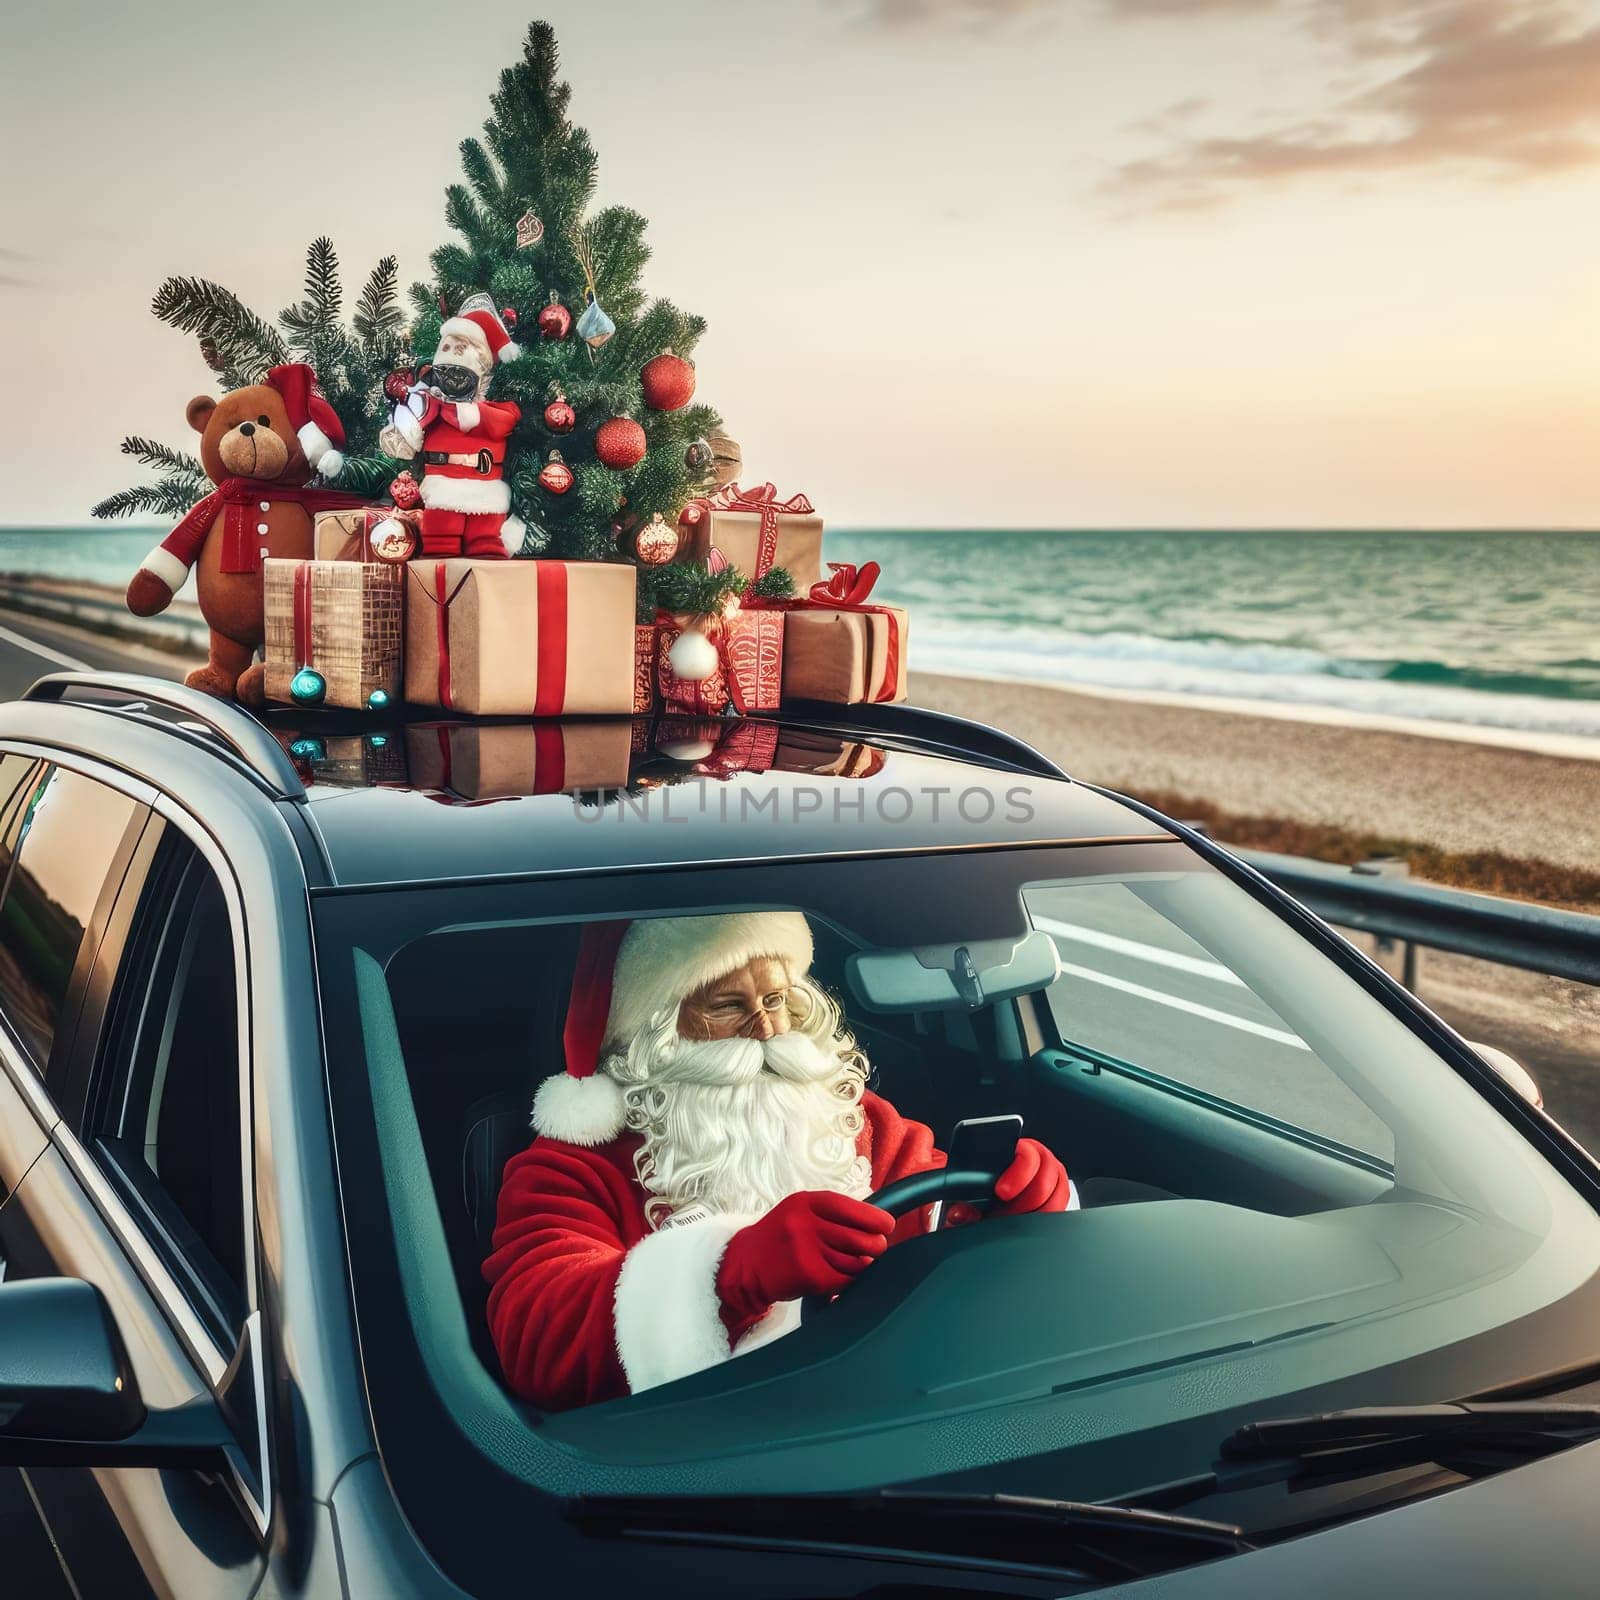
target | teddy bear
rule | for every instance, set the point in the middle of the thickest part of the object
(260, 445)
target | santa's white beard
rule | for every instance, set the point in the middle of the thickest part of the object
(734, 1125)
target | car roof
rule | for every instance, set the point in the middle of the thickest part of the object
(455, 803)
(407, 799)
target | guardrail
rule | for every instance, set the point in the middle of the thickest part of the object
(1563, 944)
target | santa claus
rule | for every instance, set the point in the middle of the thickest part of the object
(461, 436)
(702, 1165)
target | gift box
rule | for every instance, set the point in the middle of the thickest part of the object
(756, 531)
(347, 535)
(837, 646)
(750, 675)
(520, 638)
(341, 619)
(478, 761)
(824, 756)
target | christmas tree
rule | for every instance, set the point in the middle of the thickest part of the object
(603, 378)
(529, 238)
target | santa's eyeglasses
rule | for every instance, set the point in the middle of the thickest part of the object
(729, 1012)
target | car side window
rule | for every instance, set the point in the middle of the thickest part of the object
(163, 1114)
(66, 842)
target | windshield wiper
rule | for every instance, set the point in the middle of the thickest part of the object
(1470, 1438)
(995, 1532)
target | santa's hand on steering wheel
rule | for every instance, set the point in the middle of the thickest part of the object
(1035, 1181)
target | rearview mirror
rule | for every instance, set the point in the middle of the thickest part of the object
(963, 977)
(68, 1395)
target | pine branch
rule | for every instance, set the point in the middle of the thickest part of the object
(244, 341)
(169, 498)
(378, 321)
(323, 289)
(154, 454)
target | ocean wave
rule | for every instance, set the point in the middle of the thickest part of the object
(1263, 672)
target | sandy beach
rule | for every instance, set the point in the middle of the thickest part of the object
(1460, 797)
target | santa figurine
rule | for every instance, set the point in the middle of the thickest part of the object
(702, 1165)
(461, 436)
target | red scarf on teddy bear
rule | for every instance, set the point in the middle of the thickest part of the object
(238, 498)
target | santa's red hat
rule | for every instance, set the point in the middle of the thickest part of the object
(315, 422)
(478, 321)
(629, 975)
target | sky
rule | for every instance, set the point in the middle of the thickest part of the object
(965, 262)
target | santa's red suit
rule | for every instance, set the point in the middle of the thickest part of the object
(465, 496)
(587, 1302)
(594, 1293)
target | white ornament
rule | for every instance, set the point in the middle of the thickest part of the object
(693, 657)
(686, 749)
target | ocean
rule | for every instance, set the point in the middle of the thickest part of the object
(1482, 629)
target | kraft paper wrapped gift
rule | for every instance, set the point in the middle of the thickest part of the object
(347, 535)
(756, 532)
(340, 618)
(520, 638)
(847, 657)
(492, 761)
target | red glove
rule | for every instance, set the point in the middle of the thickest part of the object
(813, 1242)
(1035, 1181)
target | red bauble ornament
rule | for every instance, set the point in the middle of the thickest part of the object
(559, 417)
(406, 492)
(620, 443)
(508, 315)
(398, 384)
(555, 321)
(692, 515)
(656, 543)
(555, 475)
(668, 382)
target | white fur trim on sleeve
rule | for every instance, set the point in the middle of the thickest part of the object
(331, 464)
(468, 415)
(167, 567)
(512, 532)
(582, 1111)
(313, 441)
(1073, 1203)
(668, 1317)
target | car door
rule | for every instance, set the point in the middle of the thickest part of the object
(121, 998)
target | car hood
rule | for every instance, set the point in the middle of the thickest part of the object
(1531, 1531)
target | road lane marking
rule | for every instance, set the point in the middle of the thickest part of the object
(1214, 970)
(1193, 1007)
(45, 651)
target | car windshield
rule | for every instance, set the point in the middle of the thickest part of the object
(1284, 1198)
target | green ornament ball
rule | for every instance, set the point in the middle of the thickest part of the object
(378, 700)
(308, 687)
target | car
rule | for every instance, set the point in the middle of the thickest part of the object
(274, 999)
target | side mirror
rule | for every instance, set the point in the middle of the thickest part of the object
(68, 1396)
(1513, 1072)
(962, 977)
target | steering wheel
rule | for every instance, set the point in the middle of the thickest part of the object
(908, 1194)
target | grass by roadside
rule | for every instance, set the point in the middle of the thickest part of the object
(1486, 871)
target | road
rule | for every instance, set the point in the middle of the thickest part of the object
(31, 647)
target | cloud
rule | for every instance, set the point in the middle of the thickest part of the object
(1505, 89)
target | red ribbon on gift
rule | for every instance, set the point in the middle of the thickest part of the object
(302, 614)
(847, 590)
(550, 652)
(764, 502)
